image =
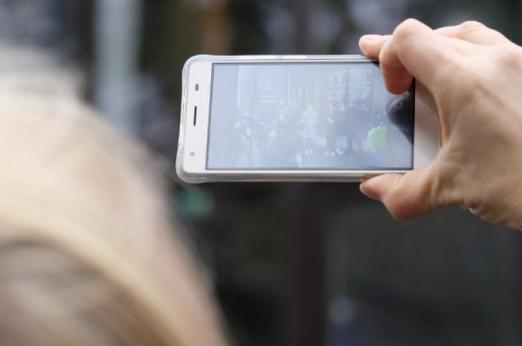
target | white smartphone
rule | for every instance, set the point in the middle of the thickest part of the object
(298, 118)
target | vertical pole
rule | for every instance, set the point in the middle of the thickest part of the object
(117, 43)
(83, 24)
(216, 30)
(304, 294)
(301, 15)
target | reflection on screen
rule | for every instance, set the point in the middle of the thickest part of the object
(328, 116)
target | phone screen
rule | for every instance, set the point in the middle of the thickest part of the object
(307, 116)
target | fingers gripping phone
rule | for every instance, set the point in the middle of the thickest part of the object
(298, 118)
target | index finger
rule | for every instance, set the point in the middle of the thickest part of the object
(414, 50)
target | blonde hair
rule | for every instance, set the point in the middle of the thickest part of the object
(88, 254)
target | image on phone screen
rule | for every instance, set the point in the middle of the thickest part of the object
(307, 116)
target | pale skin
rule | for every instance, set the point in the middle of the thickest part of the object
(474, 75)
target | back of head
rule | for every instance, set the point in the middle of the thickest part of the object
(88, 255)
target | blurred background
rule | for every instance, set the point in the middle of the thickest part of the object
(292, 264)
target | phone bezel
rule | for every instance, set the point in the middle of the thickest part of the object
(193, 149)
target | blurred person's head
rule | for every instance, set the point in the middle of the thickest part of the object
(88, 255)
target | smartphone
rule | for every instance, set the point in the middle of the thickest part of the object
(298, 118)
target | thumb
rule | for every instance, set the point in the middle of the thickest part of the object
(405, 196)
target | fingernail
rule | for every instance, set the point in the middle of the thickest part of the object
(371, 37)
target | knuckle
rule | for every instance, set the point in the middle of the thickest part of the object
(400, 212)
(398, 208)
(471, 25)
(469, 28)
(406, 29)
(476, 30)
(403, 205)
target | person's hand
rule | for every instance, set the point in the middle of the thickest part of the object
(474, 75)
